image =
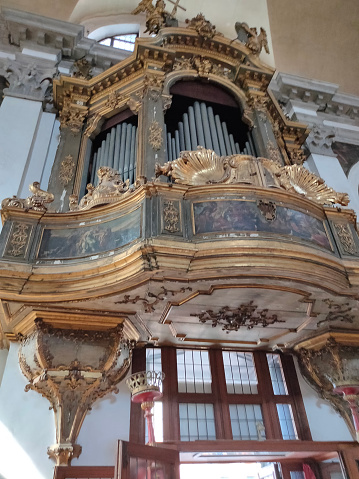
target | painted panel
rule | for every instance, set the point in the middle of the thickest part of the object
(245, 216)
(59, 243)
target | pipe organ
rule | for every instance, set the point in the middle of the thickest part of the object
(201, 127)
(118, 151)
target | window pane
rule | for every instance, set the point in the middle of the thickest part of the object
(286, 421)
(240, 372)
(193, 371)
(277, 374)
(247, 422)
(297, 475)
(106, 41)
(197, 422)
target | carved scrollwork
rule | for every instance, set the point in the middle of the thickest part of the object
(35, 202)
(171, 217)
(18, 239)
(338, 312)
(203, 66)
(155, 138)
(152, 299)
(249, 36)
(70, 377)
(109, 190)
(82, 69)
(67, 169)
(232, 319)
(346, 238)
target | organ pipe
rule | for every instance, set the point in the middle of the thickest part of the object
(118, 151)
(200, 127)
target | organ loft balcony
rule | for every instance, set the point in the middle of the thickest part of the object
(178, 206)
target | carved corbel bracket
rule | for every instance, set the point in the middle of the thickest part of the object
(72, 368)
(330, 364)
(73, 113)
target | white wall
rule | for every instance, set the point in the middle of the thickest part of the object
(325, 423)
(3, 357)
(108, 421)
(27, 426)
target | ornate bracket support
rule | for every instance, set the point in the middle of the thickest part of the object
(330, 363)
(72, 369)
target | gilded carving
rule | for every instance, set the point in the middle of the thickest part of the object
(330, 369)
(82, 69)
(171, 217)
(109, 190)
(92, 124)
(232, 319)
(268, 209)
(73, 377)
(35, 202)
(297, 156)
(114, 100)
(67, 169)
(149, 304)
(299, 179)
(72, 116)
(18, 239)
(203, 27)
(155, 138)
(166, 102)
(273, 152)
(204, 166)
(203, 66)
(249, 36)
(135, 102)
(345, 235)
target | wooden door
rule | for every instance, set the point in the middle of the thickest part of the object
(136, 461)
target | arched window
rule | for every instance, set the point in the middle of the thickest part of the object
(123, 42)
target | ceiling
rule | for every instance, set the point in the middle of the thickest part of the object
(310, 38)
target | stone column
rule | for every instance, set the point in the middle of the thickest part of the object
(25, 130)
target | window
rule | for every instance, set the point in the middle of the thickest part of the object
(286, 421)
(196, 422)
(276, 374)
(193, 371)
(225, 395)
(247, 422)
(123, 42)
(240, 372)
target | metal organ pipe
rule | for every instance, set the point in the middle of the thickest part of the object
(206, 128)
(187, 135)
(199, 124)
(192, 127)
(213, 129)
(200, 127)
(117, 151)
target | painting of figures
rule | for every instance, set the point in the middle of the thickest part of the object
(87, 240)
(245, 216)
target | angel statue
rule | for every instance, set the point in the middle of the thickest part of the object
(251, 39)
(144, 6)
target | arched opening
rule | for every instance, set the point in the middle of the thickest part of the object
(203, 114)
(115, 146)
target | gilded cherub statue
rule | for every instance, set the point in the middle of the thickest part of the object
(251, 39)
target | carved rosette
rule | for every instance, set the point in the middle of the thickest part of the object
(330, 364)
(72, 368)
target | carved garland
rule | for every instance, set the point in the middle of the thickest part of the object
(155, 135)
(67, 170)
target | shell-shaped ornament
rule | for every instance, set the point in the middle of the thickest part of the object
(199, 167)
(302, 181)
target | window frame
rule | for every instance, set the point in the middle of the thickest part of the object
(221, 399)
